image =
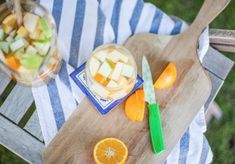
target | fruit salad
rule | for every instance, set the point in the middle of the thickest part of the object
(111, 72)
(23, 48)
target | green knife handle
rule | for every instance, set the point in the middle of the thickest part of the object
(155, 127)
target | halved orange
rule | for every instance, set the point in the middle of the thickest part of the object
(110, 151)
(167, 77)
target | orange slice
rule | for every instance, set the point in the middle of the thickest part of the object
(135, 106)
(167, 77)
(101, 79)
(110, 151)
(13, 63)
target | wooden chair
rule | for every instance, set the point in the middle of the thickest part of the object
(25, 138)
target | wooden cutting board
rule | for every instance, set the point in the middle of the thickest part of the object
(179, 104)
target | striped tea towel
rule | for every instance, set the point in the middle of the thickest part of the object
(85, 24)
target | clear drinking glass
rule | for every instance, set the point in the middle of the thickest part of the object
(114, 92)
(51, 62)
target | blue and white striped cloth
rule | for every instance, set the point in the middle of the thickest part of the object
(85, 24)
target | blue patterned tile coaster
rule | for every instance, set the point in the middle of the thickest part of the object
(103, 106)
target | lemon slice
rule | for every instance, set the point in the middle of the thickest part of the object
(110, 151)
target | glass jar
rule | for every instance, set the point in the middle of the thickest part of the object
(51, 62)
(107, 91)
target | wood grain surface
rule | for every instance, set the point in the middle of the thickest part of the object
(179, 104)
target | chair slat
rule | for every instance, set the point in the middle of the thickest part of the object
(4, 81)
(217, 63)
(17, 103)
(222, 37)
(20, 142)
(33, 126)
(216, 85)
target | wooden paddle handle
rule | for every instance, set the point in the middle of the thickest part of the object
(207, 13)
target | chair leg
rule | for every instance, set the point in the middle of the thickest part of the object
(213, 111)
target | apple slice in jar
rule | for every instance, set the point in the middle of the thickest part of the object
(1, 34)
(43, 26)
(18, 44)
(30, 22)
(117, 71)
(2, 57)
(116, 56)
(127, 71)
(112, 84)
(94, 66)
(105, 69)
(22, 32)
(31, 50)
(32, 61)
(42, 47)
(101, 55)
(4, 46)
(10, 20)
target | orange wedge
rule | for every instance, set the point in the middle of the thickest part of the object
(135, 106)
(110, 151)
(167, 77)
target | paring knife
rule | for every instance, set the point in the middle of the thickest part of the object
(155, 125)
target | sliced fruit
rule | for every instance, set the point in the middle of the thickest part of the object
(110, 151)
(1, 34)
(105, 69)
(22, 32)
(4, 46)
(167, 77)
(30, 22)
(99, 90)
(117, 71)
(18, 54)
(31, 61)
(46, 30)
(112, 64)
(2, 57)
(10, 39)
(17, 37)
(101, 79)
(36, 35)
(10, 20)
(31, 50)
(20, 43)
(94, 66)
(116, 56)
(42, 47)
(13, 62)
(112, 84)
(101, 55)
(127, 71)
(7, 29)
(122, 81)
(135, 106)
(13, 33)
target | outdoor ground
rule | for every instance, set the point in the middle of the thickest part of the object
(221, 134)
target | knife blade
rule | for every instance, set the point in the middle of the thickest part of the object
(155, 125)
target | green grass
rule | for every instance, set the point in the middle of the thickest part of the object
(221, 134)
